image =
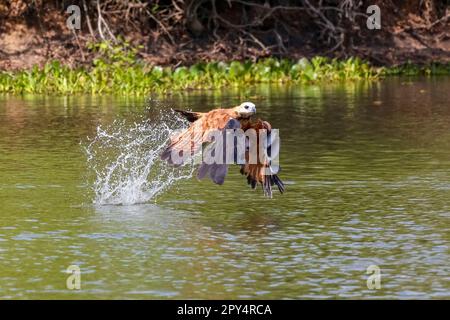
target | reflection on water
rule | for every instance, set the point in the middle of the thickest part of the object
(367, 168)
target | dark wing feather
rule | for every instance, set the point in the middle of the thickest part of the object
(189, 115)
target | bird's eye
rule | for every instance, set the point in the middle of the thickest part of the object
(246, 107)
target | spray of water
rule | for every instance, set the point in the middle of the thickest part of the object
(124, 159)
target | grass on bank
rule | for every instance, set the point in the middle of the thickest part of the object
(118, 70)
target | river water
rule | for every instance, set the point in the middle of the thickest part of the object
(367, 172)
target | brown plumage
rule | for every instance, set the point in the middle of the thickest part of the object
(219, 119)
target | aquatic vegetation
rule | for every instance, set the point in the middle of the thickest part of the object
(410, 69)
(105, 77)
(117, 68)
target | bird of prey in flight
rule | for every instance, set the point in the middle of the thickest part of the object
(256, 162)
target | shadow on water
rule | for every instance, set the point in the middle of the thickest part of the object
(367, 173)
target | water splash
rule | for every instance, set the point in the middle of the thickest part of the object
(125, 160)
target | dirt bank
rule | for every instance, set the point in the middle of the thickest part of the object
(175, 32)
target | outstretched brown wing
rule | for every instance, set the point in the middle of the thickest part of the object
(192, 138)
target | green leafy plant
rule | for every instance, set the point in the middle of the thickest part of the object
(117, 68)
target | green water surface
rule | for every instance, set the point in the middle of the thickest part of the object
(367, 172)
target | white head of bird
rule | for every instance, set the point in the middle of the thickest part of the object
(246, 109)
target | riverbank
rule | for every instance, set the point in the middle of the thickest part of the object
(174, 33)
(141, 47)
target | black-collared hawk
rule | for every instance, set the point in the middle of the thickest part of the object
(196, 136)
